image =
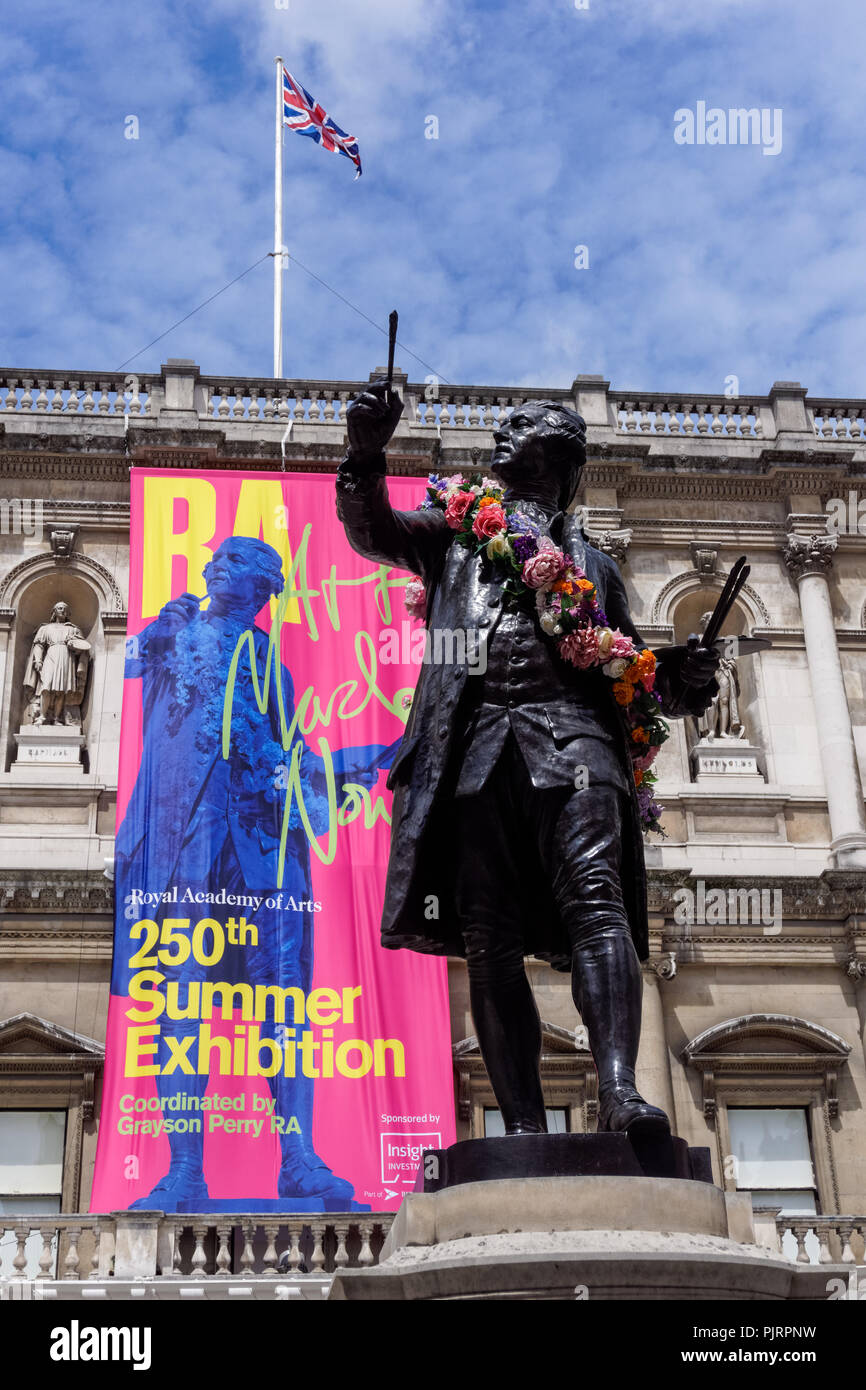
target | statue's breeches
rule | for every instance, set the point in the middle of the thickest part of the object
(515, 838)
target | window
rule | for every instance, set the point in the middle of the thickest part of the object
(31, 1178)
(773, 1161)
(557, 1121)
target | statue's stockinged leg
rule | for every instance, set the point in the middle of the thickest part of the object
(606, 985)
(509, 1032)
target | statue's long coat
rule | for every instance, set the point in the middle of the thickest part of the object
(422, 847)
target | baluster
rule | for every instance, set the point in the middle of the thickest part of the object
(27, 398)
(716, 426)
(224, 1259)
(329, 408)
(46, 1255)
(703, 424)
(318, 1257)
(674, 420)
(645, 425)
(730, 413)
(104, 405)
(71, 1265)
(20, 1260)
(199, 1258)
(474, 416)
(846, 1229)
(799, 1230)
(283, 406)
(57, 398)
(298, 412)
(87, 404)
(11, 402)
(344, 406)
(341, 1259)
(823, 1233)
(269, 411)
(223, 409)
(688, 422)
(96, 1232)
(134, 400)
(271, 1258)
(444, 414)
(42, 398)
(72, 401)
(248, 1259)
(629, 425)
(176, 1265)
(294, 1258)
(366, 1254)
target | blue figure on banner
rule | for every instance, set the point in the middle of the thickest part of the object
(209, 823)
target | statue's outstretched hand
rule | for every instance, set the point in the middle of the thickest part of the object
(372, 419)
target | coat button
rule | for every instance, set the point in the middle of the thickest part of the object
(483, 622)
(512, 704)
(493, 601)
(443, 730)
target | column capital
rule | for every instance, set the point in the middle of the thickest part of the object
(809, 554)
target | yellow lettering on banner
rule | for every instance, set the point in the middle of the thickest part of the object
(261, 514)
(141, 1042)
(162, 542)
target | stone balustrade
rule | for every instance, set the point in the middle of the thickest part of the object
(839, 1239)
(151, 1245)
(180, 389)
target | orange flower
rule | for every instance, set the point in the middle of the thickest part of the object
(638, 777)
(622, 692)
(640, 736)
(563, 586)
(585, 585)
(486, 502)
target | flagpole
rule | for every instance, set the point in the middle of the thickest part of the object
(278, 225)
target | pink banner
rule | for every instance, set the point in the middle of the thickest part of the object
(263, 1052)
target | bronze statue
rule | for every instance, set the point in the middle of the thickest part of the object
(57, 670)
(516, 826)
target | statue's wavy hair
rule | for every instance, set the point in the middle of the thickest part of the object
(565, 446)
(264, 562)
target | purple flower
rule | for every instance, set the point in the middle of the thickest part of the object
(524, 547)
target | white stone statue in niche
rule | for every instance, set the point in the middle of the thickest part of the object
(56, 671)
(722, 718)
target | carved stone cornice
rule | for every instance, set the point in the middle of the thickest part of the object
(834, 895)
(60, 891)
(809, 554)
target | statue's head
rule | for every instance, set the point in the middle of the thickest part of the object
(540, 439)
(244, 573)
(704, 621)
(60, 613)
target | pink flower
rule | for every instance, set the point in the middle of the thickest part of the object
(415, 598)
(458, 506)
(545, 567)
(580, 648)
(489, 522)
(621, 645)
(644, 763)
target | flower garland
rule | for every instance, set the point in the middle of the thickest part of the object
(568, 610)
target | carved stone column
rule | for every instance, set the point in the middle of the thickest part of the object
(808, 559)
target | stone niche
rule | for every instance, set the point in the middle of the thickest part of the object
(55, 751)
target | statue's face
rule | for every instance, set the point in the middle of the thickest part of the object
(61, 612)
(233, 576)
(521, 445)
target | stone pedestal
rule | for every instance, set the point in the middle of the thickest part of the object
(52, 749)
(592, 1235)
(726, 763)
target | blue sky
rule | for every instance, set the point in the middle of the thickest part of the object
(555, 130)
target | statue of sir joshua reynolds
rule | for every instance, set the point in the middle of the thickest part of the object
(489, 819)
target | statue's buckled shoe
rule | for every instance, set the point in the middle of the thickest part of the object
(624, 1111)
(306, 1175)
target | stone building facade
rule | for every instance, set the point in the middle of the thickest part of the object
(755, 989)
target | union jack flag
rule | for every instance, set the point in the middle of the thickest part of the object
(307, 117)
